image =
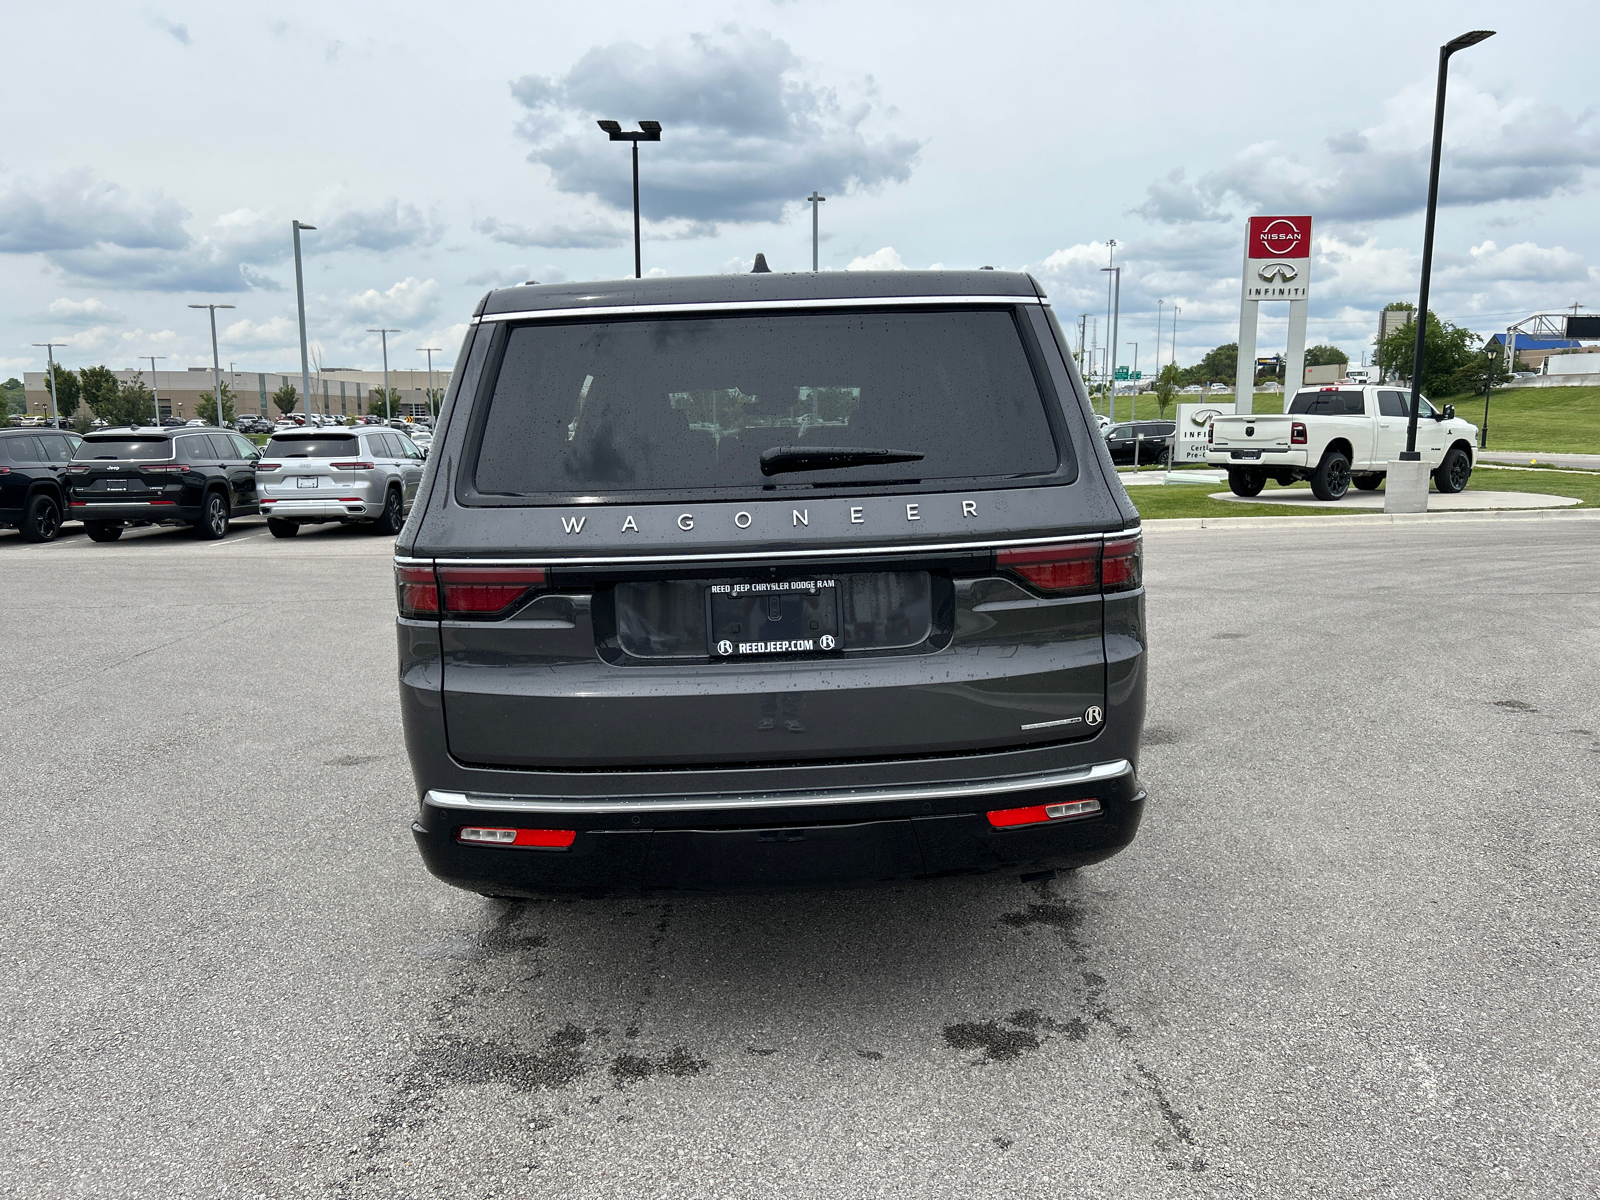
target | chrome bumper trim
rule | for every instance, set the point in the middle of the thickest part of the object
(704, 803)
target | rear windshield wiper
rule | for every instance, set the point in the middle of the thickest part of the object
(819, 458)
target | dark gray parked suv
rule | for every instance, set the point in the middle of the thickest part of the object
(761, 581)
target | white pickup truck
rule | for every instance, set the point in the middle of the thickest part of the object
(1337, 435)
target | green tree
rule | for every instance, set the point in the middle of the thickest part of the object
(287, 397)
(1399, 306)
(136, 404)
(67, 391)
(15, 402)
(1166, 387)
(1323, 356)
(376, 405)
(97, 385)
(1482, 372)
(206, 408)
(1446, 349)
(1218, 366)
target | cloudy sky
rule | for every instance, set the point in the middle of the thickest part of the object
(155, 156)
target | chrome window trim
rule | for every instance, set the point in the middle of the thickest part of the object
(719, 306)
(743, 555)
(937, 791)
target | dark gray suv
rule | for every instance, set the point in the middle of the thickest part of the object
(745, 582)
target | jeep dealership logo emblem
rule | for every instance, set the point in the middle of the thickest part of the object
(1280, 271)
(826, 641)
(724, 647)
(1094, 716)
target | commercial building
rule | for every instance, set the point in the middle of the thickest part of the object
(334, 392)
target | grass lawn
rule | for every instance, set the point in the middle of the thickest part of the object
(1146, 410)
(1564, 419)
(1194, 500)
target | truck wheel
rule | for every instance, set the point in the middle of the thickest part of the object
(1369, 482)
(213, 522)
(102, 531)
(279, 528)
(1243, 481)
(1331, 479)
(1452, 474)
(43, 518)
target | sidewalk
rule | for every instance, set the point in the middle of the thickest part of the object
(1518, 458)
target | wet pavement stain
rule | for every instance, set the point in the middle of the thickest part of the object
(1514, 705)
(352, 760)
(870, 1055)
(1187, 1142)
(629, 1068)
(996, 1044)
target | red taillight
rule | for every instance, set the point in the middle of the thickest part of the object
(1122, 568)
(1209, 430)
(1297, 433)
(1038, 814)
(354, 466)
(541, 839)
(7, 470)
(1068, 567)
(148, 467)
(417, 592)
(264, 466)
(482, 592)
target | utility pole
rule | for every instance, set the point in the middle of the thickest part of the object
(153, 388)
(1083, 344)
(430, 351)
(300, 299)
(815, 200)
(50, 354)
(1111, 250)
(216, 363)
(387, 414)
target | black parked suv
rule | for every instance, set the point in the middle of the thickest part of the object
(1142, 442)
(33, 495)
(145, 475)
(776, 580)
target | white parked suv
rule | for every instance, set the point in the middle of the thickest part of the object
(313, 476)
(1337, 435)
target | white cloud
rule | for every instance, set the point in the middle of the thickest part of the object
(80, 312)
(586, 236)
(410, 301)
(273, 333)
(886, 259)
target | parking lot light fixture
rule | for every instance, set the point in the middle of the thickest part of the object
(815, 200)
(1471, 38)
(49, 349)
(648, 131)
(430, 351)
(216, 363)
(300, 301)
(155, 390)
(387, 406)
(1115, 283)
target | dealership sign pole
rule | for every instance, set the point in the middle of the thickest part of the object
(1277, 266)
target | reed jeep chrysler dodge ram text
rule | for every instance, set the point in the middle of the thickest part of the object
(763, 581)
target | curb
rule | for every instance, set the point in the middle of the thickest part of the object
(1175, 524)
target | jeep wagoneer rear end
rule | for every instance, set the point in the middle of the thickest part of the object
(768, 581)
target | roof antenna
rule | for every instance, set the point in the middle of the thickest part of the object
(761, 267)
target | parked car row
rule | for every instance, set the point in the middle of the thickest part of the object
(117, 479)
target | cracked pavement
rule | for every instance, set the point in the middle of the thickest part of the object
(1351, 953)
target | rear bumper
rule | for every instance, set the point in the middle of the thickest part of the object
(790, 840)
(319, 510)
(134, 510)
(1269, 458)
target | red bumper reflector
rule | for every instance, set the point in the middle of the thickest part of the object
(1039, 814)
(542, 839)
(168, 503)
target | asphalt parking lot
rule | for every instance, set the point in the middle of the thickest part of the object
(1351, 953)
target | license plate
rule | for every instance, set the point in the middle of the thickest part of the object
(793, 616)
(305, 481)
(116, 485)
(1247, 454)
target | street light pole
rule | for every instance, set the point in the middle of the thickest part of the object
(300, 299)
(1133, 414)
(430, 351)
(50, 355)
(216, 363)
(1111, 250)
(1116, 320)
(1175, 311)
(649, 131)
(815, 200)
(154, 387)
(388, 414)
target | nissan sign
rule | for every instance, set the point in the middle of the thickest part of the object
(1279, 237)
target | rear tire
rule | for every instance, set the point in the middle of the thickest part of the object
(389, 524)
(279, 528)
(1367, 483)
(102, 531)
(213, 522)
(42, 521)
(1453, 473)
(1244, 481)
(1331, 479)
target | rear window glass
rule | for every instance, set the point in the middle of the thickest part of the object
(684, 403)
(312, 447)
(126, 449)
(1343, 403)
(20, 450)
